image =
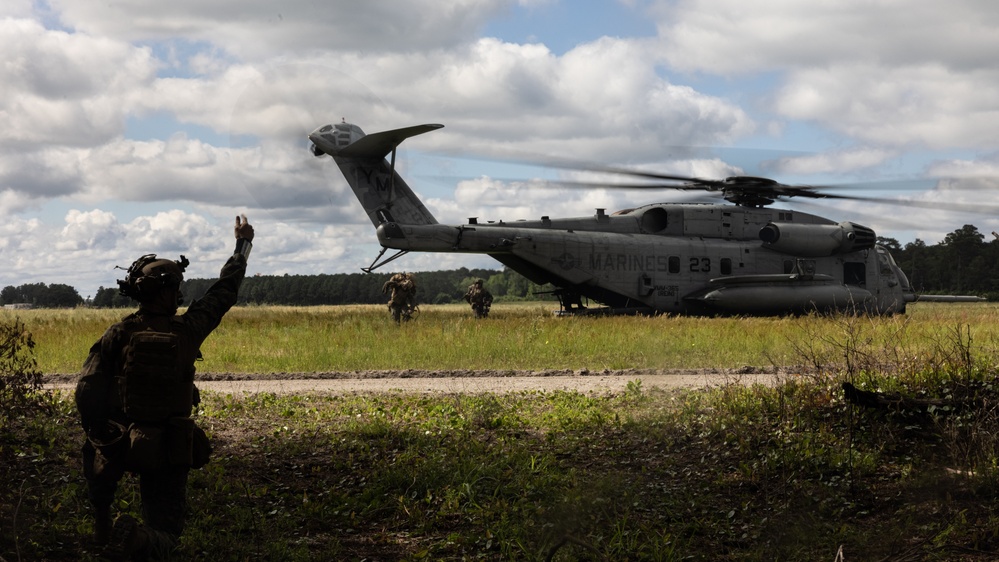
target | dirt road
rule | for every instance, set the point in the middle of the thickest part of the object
(463, 381)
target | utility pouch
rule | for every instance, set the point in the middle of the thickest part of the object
(146, 448)
(154, 385)
(180, 441)
(108, 447)
(201, 450)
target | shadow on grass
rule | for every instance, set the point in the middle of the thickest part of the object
(790, 472)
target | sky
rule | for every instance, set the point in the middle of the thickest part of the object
(139, 127)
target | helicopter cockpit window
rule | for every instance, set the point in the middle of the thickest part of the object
(788, 267)
(884, 261)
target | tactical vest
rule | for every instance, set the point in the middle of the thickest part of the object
(157, 378)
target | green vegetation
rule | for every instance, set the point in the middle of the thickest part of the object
(962, 263)
(516, 336)
(784, 472)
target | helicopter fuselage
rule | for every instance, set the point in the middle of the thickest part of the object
(683, 258)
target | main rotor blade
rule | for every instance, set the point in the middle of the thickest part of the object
(976, 208)
(781, 192)
(579, 184)
(753, 191)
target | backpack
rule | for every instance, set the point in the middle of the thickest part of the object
(155, 384)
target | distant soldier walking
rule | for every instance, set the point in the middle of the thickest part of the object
(480, 298)
(135, 395)
(401, 289)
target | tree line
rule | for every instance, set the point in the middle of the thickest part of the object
(964, 262)
(41, 295)
(434, 287)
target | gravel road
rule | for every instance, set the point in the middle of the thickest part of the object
(453, 382)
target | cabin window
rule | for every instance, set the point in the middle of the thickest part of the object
(726, 266)
(855, 273)
(674, 264)
(788, 267)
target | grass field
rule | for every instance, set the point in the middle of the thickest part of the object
(518, 336)
(787, 472)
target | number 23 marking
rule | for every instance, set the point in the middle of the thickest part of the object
(700, 265)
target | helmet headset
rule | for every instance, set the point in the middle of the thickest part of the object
(147, 276)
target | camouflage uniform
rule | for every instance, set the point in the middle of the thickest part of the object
(106, 452)
(480, 298)
(402, 299)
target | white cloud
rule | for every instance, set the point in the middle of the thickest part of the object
(62, 88)
(601, 100)
(91, 230)
(259, 29)
(173, 231)
(881, 72)
(985, 170)
(834, 162)
(32, 177)
(733, 37)
(929, 105)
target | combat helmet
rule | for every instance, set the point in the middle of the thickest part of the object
(147, 275)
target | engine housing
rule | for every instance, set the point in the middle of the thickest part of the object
(817, 240)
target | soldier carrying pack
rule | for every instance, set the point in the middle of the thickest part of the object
(402, 299)
(135, 396)
(480, 298)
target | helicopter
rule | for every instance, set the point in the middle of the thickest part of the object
(739, 258)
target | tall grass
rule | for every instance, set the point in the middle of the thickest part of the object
(316, 339)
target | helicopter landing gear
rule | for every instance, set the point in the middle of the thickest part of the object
(571, 302)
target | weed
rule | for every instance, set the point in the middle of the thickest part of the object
(788, 471)
(20, 380)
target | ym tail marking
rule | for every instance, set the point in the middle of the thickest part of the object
(385, 196)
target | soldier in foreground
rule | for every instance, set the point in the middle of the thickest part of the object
(135, 395)
(480, 298)
(402, 300)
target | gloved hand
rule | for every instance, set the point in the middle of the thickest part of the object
(243, 229)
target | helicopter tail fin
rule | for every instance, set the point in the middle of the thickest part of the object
(384, 195)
